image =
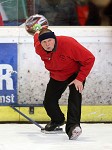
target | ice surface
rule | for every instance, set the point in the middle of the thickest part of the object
(29, 137)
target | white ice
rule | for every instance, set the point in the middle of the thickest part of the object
(29, 137)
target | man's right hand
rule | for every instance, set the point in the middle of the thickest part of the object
(37, 27)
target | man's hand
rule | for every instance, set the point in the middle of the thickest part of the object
(78, 84)
(37, 27)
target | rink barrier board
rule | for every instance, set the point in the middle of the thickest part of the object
(97, 39)
(89, 114)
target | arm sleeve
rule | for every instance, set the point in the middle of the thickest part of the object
(37, 44)
(36, 41)
(84, 57)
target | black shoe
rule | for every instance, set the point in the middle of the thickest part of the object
(53, 125)
(74, 132)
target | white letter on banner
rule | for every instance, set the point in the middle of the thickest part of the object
(6, 77)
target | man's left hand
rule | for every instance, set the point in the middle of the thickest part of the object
(78, 84)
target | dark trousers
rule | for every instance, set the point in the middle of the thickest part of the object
(53, 93)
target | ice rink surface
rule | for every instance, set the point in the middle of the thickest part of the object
(29, 137)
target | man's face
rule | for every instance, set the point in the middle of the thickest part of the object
(48, 44)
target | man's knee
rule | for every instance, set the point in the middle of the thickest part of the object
(47, 102)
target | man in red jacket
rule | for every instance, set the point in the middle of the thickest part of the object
(69, 63)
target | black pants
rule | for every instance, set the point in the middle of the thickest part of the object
(51, 102)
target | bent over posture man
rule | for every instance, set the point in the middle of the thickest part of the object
(69, 63)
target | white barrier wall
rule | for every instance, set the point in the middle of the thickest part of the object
(33, 77)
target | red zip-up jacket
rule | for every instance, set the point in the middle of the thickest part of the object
(69, 57)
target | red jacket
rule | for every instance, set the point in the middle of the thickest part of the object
(69, 57)
(1, 21)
